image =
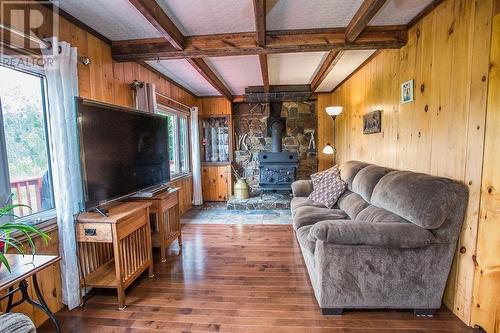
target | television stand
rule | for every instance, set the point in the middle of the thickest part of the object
(102, 211)
(151, 192)
(165, 219)
(113, 251)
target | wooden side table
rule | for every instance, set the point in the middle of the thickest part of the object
(167, 221)
(23, 267)
(116, 249)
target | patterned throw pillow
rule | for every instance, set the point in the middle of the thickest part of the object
(316, 177)
(328, 187)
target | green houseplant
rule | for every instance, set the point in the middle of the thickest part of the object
(27, 230)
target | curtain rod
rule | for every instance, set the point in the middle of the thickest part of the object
(35, 39)
(173, 100)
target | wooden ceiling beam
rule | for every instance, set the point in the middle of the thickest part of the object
(264, 71)
(284, 41)
(362, 17)
(160, 20)
(201, 66)
(331, 59)
(259, 7)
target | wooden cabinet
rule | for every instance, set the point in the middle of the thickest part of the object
(216, 183)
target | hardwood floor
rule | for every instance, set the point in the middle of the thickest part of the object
(234, 278)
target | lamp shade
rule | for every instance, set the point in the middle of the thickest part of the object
(328, 150)
(333, 110)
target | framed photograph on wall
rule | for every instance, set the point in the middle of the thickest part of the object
(372, 122)
(407, 92)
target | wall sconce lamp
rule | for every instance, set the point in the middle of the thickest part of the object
(332, 111)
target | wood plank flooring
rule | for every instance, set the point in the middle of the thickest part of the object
(234, 278)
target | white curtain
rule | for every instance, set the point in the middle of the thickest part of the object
(60, 65)
(195, 151)
(145, 99)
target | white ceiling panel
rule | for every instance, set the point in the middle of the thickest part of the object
(293, 68)
(237, 72)
(306, 14)
(396, 12)
(195, 17)
(181, 71)
(114, 19)
(347, 64)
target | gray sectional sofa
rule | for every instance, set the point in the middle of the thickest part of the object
(388, 243)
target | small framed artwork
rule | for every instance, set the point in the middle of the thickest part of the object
(372, 122)
(407, 92)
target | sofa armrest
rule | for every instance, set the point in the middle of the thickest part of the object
(393, 235)
(302, 188)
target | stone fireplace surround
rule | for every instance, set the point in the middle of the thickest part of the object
(251, 119)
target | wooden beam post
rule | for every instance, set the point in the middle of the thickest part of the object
(264, 71)
(259, 7)
(361, 19)
(331, 59)
(201, 66)
(160, 20)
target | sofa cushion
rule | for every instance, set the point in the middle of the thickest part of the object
(302, 202)
(365, 180)
(328, 188)
(352, 204)
(308, 215)
(349, 169)
(304, 240)
(302, 188)
(393, 235)
(372, 214)
(424, 200)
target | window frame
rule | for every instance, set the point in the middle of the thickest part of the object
(168, 110)
(5, 189)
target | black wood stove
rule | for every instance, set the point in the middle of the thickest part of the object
(277, 168)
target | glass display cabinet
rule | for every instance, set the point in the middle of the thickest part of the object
(216, 143)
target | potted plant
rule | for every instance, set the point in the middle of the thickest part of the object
(6, 239)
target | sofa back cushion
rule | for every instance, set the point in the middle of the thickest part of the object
(373, 214)
(424, 200)
(352, 203)
(349, 169)
(367, 178)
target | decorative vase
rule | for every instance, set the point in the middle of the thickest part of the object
(241, 189)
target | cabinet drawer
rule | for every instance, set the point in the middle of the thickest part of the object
(94, 232)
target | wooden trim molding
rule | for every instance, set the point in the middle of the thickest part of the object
(201, 66)
(363, 16)
(331, 59)
(160, 20)
(280, 41)
(357, 69)
(424, 12)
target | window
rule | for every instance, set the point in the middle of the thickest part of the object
(25, 175)
(178, 141)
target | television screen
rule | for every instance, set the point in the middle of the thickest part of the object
(122, 151)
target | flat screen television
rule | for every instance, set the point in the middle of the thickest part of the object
(122, 151)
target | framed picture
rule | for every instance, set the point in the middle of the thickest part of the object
(372, 122)
(407, 92)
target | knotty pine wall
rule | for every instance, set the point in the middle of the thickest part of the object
(107, 81)
(442, 132)
(486, 305)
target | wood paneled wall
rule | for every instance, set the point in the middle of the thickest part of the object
(486, 306)
(107, 81)
(210, 106)
(442, 131)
